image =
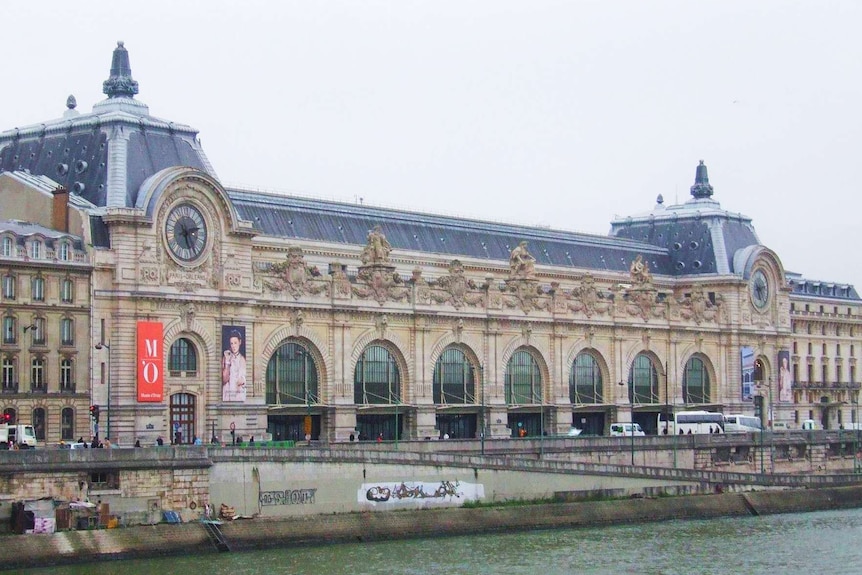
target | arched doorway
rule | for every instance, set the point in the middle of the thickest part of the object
(182, 418)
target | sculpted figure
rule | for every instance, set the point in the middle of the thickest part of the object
(639, 271)
(377, 248)
(521, 263)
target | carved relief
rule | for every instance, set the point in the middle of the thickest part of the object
(697, 307)
(381, 284)
(642, 302)
(587, 299)
(295, 277)
(149, 275)
(340, 281)
(525, 295)
(456, 289)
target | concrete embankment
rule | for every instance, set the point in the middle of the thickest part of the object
(18, 551)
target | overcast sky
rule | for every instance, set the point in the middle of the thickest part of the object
(563, 113)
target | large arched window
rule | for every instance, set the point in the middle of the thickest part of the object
(39, 420)
(183, 358)
(291, 376)
(643, 381)
(67, 424)
(523, 379)
(454, 378)
(585, 381)
(377, 378)
(695, 382)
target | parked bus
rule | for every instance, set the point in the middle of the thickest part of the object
(738, 423)
(690, 422)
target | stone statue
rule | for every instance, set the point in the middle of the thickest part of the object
(521, 263)
(639, 271)
(377, 248)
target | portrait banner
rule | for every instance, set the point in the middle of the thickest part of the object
(233, 363)
(151, 361)
(746, 355)
(785, 377)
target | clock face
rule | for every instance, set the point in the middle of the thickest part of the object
(186, 232)
(759, 289)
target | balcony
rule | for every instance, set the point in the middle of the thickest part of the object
(824, 385)
(9, 387)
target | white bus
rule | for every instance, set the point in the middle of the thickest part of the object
(738, 423)
(690, 422)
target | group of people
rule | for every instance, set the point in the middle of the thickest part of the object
(94, 443)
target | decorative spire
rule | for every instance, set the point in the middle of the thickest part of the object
(701, 188)
(120, 84)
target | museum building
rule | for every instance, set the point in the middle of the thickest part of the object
(136, 282)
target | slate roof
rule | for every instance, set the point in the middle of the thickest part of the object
(105, 155)
(321, 220)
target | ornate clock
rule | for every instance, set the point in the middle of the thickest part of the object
(759, 286)
(186, 232)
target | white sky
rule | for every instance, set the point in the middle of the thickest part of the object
(562, 113)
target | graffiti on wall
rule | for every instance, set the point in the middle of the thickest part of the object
(287, 497)
(419, 493)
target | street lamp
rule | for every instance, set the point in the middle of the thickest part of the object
(108, 410)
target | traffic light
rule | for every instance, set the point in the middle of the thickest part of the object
(94, 413)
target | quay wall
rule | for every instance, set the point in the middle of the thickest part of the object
(21, 551)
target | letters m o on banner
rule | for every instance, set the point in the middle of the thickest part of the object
(151, 361)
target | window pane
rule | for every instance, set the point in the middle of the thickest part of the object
(523, 379)
(291, 376)
(454, 378)
(695, 382)
(586, 380)
(643, 381)
(377, 379)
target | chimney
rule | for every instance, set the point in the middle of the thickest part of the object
(60, 210)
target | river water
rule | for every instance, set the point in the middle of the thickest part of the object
(822, 542)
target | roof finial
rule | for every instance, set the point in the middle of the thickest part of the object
(701, 188)
(120, 84)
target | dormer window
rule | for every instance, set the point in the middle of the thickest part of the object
(8, 247)
(36, 250)
(64, 251)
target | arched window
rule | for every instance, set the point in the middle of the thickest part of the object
(67, 375)
(454, 378)
(523, 379)
(695, 382)
(377, 379)
(643, 381)
(585, 381)
(39, 423)
(67, 424)
(10, 416)
(37, 375)
(291, 376)
(183, 358)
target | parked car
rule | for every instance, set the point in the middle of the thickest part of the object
(626, 430)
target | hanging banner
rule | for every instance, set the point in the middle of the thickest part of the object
(151, 361)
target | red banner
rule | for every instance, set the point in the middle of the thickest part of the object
(151, 361)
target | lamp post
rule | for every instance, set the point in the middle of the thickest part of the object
(482, 407)
(108, 405)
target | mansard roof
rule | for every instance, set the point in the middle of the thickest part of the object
(699, 236)
(813, 288)
(105, 155)
(313, 219)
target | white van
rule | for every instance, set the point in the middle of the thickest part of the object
(625, 430)
(810, 425)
